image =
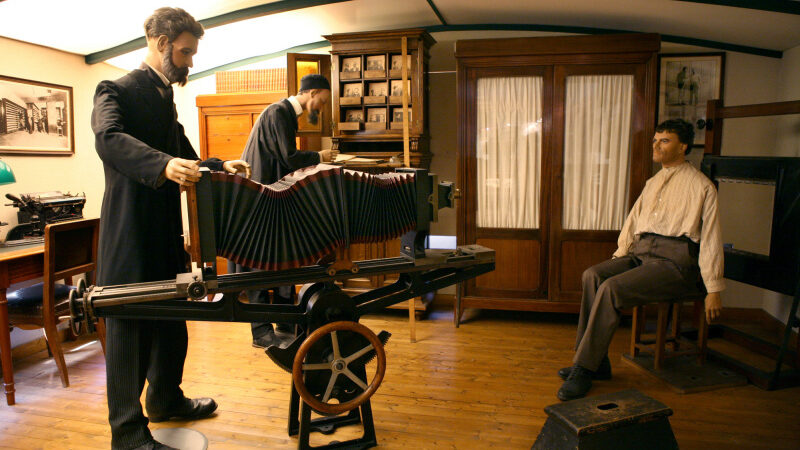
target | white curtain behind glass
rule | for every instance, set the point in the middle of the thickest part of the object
(509, 152)
(597, 151)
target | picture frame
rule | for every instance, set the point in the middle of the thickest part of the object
(397, 61)
(686, 82)
(397, 115)
(351, 65)
(354, 115)
(376, 63)
(377, 89)
(352, 90)
(36, 118)
(397, 88)
(376, 115)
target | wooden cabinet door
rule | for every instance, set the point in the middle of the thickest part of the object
(227, 134)
(599, 152)
(504, 175)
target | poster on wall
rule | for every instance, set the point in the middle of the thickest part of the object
(35, 118)
(686, 83)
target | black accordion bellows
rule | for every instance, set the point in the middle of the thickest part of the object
(308, 214)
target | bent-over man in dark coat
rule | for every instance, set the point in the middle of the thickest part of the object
(146, 157)
(271, 151)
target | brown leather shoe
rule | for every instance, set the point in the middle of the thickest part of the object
(190, 409)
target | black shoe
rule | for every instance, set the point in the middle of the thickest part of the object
(191, 409)
(602, 373)
(154, 445)
(270, 339)
(577, 385)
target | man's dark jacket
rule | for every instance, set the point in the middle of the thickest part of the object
(271, 149)
(136, 134)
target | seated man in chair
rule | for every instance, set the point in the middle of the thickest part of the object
(670, 238)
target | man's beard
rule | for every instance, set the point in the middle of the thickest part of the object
(313, 116)
(174, 74)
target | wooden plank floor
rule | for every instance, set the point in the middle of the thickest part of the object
(484, 385)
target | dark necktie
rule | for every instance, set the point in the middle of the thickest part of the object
(168, 94)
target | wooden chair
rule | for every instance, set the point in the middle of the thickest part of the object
(680, 346)
(70, 249)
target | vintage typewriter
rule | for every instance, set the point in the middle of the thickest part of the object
(38, 209)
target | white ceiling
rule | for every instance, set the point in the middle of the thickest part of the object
(89, 26)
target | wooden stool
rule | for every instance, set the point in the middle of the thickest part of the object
(657, 346)
(624, 420)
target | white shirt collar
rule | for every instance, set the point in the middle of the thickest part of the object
(160, 75)
(298, 108)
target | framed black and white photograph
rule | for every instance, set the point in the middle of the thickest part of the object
(397, 62)
(397, 114)
(377, 89)
(352, 90)
(354, 115)
(35, 118)
(686, 83)
(397, 88)
(376, 115)
(376, 63)
(351, 64)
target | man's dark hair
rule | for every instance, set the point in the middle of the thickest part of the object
(171, 22)
(683, 129)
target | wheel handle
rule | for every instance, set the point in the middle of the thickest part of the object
(339, 366)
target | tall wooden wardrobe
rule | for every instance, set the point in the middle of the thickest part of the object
(554, 147)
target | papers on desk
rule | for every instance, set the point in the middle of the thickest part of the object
(25, 241)
(353, 160)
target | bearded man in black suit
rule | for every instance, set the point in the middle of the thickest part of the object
(146, 157)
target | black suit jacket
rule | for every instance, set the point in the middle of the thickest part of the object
(271, 149)
(136, 134)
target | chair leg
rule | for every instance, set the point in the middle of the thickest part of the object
(676, 325)
(51, 335)
(457, 309)
(636, 329)
(5, 350)
(661, 334)
(412, 322)
(702, 333)
(101, 333)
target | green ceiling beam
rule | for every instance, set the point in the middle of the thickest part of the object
(436, 11)
(589, 30)
(211, 22)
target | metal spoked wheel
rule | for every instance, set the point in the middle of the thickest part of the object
(330, 365)
(75, 317)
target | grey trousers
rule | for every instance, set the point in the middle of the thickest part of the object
(657, 269)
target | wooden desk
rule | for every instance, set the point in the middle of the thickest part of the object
(16, 264)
